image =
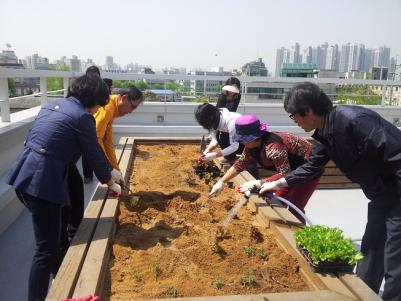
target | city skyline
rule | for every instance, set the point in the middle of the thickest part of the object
(192, 34)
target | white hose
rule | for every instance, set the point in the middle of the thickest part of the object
(273, 196)
(287, 202)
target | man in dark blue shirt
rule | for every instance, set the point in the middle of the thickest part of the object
(367, 149)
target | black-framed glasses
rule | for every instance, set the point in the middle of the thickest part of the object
(292, 116)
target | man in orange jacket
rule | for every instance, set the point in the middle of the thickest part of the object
(119, 105)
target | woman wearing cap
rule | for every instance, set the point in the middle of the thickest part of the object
(218, 121)
(229, 99)
(283, 151)
(231, 95)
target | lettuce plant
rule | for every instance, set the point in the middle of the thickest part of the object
(326, 244)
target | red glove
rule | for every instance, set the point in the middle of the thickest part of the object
(86, 298)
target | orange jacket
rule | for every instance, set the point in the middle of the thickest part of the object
(104, 128)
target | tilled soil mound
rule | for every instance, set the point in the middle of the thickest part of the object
(166, 245)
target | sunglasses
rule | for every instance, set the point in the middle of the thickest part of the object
(292, 116)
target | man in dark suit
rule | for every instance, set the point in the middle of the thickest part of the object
(367, 149)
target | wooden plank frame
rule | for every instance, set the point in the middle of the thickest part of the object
(87, 238)
(84, 267)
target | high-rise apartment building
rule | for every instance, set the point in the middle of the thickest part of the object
(295, 54)
(355, 59)
(381, 57)
(332, 58)
(307, 55)
(109, 63)
(344, 58)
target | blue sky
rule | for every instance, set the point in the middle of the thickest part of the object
(202, 33)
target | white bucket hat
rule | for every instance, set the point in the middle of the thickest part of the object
(231, 88)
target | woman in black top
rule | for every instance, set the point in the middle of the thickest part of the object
(231, 95)
(229, 99)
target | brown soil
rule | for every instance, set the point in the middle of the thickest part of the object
(162, 247)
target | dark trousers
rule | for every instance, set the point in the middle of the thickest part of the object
(48, 232)
(73, 214)
(223, 139)
(381, 247)
(88, 172)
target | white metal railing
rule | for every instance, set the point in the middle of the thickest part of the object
(247, 82)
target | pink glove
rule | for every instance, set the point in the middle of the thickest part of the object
(86, 298)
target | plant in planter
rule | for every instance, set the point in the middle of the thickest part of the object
(250, 251)
(206, 170)
(262, 253)
(172, 292)
(156, 269)
(249, 280)
(218, 283)
(255, 234)
(326, 249)
(216, 248)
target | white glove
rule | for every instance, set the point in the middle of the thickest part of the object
(247, 186)
(116, 175)
(115, 188)
(217, 188)
(273, 186)
(209, 156)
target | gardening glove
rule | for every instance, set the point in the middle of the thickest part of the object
(273, 186)
(115, 189)
(117, 177)
(248, 186)
(209, 157)
(217, 188)
(86, 298)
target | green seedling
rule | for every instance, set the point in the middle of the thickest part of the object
(249, 280)
(216, 248)
(218, 283)
(134, 200)
(172, 292)
(262, 253)
(156, 269)
(221, 232)
(135, 274)
(251, 251)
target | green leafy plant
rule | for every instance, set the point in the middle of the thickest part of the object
(216, 248)
(251, 251)
(156, 269)
(218, 283)
(262, 253)
(172, 292)
(249, 280)
(325, 244)
(135, 274)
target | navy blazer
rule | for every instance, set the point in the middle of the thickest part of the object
(61, 133)
(364, 146)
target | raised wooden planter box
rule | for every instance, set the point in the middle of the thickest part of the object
(84, 267)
